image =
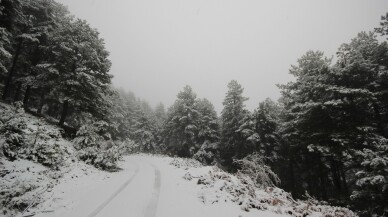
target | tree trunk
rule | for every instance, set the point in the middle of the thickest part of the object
(41, 103)
(50, 110)
(64, 112)
(17, 93)
(26, 97)
(344, 182)
(322, 178)
(336, 177)
(11, 73)
(292, 176)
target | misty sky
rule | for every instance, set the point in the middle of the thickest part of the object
(159, 46)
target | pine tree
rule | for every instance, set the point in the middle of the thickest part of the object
(232, 116)
(120, 115)
(332, 114)
(208, 128)
(21, 30)
(5, 55)
(181, 128)
(81, 60)
(383, 29)
(371, 190)
(5, 36)
(307, 124)
(261, 130)
(144, 130)
(160, 114)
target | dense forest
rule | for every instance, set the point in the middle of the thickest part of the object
(327, 136)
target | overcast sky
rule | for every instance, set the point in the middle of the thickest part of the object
(159, 46)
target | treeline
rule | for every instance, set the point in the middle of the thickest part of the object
(327, 136)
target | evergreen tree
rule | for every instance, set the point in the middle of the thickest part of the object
(144, 133)
(5, 55)
(334, 122)
(383, 29)
(81, 59)
(370, 160)
(232, 116)
(208, 128)
(160, 114)
(307, 125)
(371, 191)
(261, 131)
(22, 31)
(120, 115)
(181, 128)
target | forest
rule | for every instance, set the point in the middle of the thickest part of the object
(326, 137)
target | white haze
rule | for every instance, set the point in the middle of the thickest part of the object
(158, 46)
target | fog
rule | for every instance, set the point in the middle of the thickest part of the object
(159, 46)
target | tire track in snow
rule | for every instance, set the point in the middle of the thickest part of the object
(104, 204)
(153, 204)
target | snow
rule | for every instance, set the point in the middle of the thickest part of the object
(22, 182)
(83, 189)
(150, 185)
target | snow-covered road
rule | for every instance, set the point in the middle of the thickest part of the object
(134, 191)
(147, 186)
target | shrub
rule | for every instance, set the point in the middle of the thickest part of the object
(43, 147)
(51, 155)
(208, 153)
(130, 146)
(13, 128)
(253, 166)
(94, 148)
(103, 159)
(13, 143)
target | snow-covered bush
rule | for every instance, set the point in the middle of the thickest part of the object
(254, 167)
(15, 195)
(160, 148)
(185, 163)
(13, 128)
(130, 146)
(145, 139)
(21, 183)
(51, 155)
(94, 147)
(12, 145)
(45, 147)
(32, 149)
(208, 153)
(88, 136)
(100, 158)
(29, 138)
(16, 124)
(219, 187)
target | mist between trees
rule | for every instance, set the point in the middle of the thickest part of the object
(327, 134)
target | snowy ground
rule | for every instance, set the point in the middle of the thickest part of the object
(147, 186)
